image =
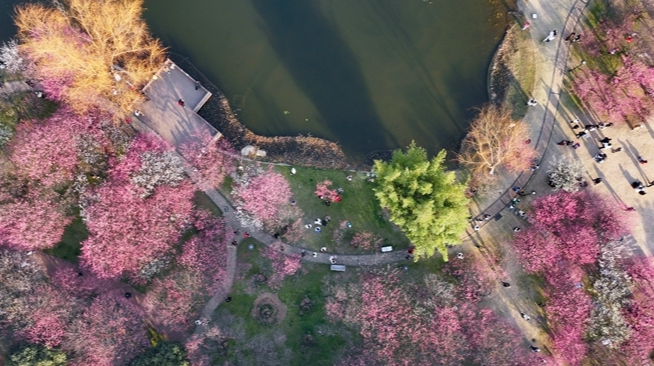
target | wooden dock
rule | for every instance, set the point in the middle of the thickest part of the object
(165, 116)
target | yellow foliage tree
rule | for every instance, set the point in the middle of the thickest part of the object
(102, 49)
(493, 140)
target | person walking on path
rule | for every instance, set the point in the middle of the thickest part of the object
(550, 36)
(641, 160)
(181, 102)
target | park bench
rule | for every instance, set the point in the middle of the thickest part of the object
(386, 249)
(338, 267)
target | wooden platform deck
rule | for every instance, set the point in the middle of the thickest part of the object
(165, 116)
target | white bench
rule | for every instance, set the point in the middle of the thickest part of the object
(338, 267)
(386, 249)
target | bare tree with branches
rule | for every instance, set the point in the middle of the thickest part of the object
(98, 50)
(495, 140)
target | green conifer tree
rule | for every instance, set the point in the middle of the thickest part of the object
(424, 200)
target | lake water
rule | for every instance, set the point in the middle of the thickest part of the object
(369, 74)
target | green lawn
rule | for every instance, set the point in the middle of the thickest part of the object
(70, 245)
(358, 206)
(326, 339)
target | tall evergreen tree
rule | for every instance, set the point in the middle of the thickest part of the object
(424, 200)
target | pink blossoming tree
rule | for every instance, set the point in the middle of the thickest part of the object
(423, 322)
(213, 159)
(206, 253)
(31, 222)
(129, 231)
(568, 226)
(46, 151)
(629, 93)
(323, 190)
(282, 265)
(108, 333)
(262, 195)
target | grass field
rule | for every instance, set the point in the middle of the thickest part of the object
(69, 248)
(358, 206)
(302, 338)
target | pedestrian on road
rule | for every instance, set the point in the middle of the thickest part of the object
(590, 127)
(597, 180)
(246, 235)
(532, 102)
(323, 249)
(581, 134)
(181, 102)
(506, 284)
(534, 348)
(525, 316)
(197, 85)
(516, 229)
(577, 38)
(641, 160)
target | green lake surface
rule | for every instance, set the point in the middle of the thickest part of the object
(368, 74)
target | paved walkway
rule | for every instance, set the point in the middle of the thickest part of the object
(11, 87)
(548, 88)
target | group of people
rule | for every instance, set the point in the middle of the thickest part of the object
(639, 187)
(600, 157)
(573, 37)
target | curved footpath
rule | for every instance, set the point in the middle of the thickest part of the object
(546, 115)
(267, 239)
(556, 61)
